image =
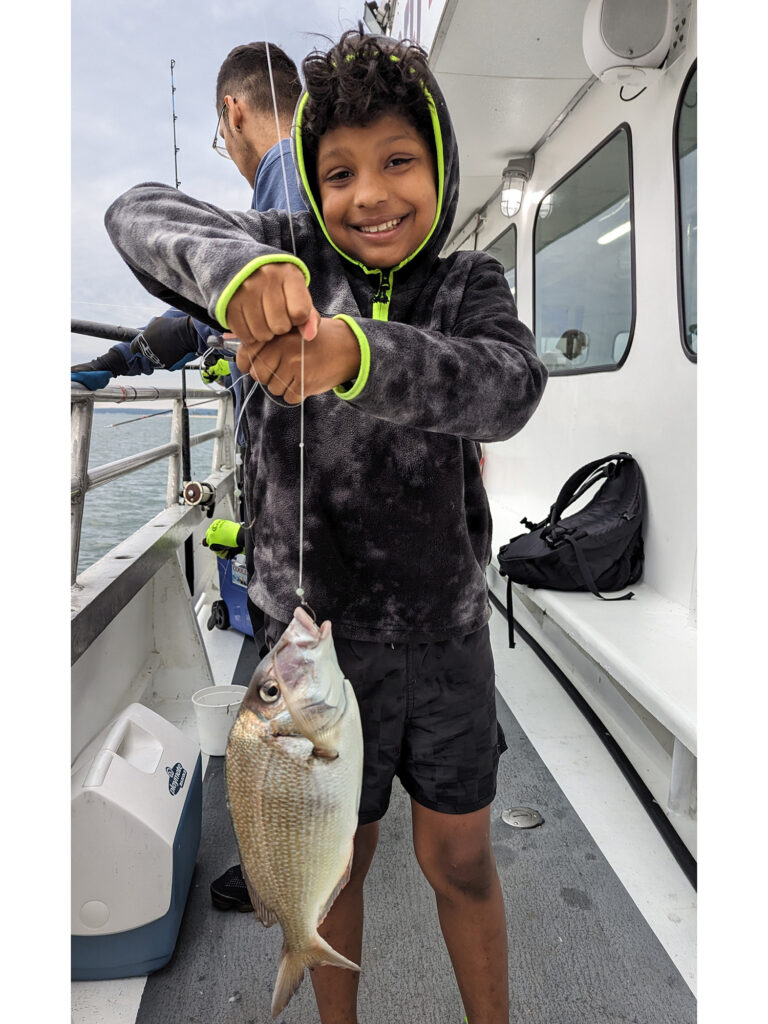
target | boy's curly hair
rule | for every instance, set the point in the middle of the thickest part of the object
(356, 82)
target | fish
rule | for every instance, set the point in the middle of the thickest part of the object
(293, 769)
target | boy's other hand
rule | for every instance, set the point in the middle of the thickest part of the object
(271, 302)
(331, 358)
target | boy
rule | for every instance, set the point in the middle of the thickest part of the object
(409, 361)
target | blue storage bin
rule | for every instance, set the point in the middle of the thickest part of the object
(234, 593)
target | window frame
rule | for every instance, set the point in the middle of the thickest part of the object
(581, 370)
(692, 357)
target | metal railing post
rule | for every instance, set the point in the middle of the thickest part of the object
(223, 448)
(81, 421)
(174, 462)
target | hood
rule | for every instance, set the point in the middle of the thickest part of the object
(447, 163)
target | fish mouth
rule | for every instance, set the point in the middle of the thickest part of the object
(311, 682)
(306, 621)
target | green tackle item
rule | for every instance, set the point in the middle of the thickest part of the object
(225, 537)
(215, 370)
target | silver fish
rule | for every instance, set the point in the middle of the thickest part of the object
(293, 769)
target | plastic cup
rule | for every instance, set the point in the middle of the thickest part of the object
(216, 708)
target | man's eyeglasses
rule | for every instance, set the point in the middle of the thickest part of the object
(218, 145)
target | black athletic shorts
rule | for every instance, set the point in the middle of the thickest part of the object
(429, 717)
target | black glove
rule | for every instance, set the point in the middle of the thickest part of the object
(168, 342)
(98, 372)
(114, 361)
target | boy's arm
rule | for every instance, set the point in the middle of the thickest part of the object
(192, 254)
(481, 379)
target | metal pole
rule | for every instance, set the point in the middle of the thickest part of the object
(223, 454)
(107, 331)
(82, 418)
(174, 462)
(173, 110)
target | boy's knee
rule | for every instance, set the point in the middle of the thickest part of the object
(464, 870)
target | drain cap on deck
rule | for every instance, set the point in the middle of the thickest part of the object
(522, 817)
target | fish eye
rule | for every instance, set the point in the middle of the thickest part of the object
(269, 692)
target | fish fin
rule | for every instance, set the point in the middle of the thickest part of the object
(290, 975)
(339, 886)
(291, 971)
(264, 914)
(321, 954)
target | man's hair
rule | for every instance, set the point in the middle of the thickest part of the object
(245, 73)
(357, 81)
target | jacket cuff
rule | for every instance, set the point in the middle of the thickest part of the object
(356, 387)
(224, 299)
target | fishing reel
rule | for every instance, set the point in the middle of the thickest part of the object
(200, 494)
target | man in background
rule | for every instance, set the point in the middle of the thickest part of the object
(247, 134)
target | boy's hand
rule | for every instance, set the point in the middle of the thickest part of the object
(331, 358)
(271, 302)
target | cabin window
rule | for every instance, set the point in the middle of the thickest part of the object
(504, 249)
(685, 146)
(583, 264)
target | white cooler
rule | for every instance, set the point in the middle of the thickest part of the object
(136, 819)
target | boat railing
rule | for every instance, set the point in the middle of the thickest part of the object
(85, 479)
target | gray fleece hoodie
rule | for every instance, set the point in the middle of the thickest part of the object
(397, 529)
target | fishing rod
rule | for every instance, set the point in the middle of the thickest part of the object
(173, 111)
(160, 412)
(109, 332)
(186, 463)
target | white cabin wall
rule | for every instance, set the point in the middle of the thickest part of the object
(648, 407)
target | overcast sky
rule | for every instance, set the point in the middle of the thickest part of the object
(122, 131)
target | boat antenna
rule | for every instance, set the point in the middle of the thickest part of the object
(173, 111)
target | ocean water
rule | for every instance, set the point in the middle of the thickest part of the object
(116, 509)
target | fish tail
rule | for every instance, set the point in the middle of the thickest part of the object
(289, 976)
(291, 970)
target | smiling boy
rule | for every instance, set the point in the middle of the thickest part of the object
(410, 361)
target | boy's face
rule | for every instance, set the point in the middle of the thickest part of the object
(377, 189)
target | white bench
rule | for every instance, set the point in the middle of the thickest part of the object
(646, 645)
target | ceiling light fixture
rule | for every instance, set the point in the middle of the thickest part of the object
(513, 181)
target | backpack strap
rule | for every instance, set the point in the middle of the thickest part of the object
(579, 481)
(586, 572)
(510, 621)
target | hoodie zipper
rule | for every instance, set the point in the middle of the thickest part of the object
(382, 297)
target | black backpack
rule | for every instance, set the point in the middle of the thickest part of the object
(598, 548)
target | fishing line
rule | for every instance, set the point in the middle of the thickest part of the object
(233, 352)
(299, 588)
(283, 405)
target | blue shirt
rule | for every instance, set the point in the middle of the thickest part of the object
(269, 186)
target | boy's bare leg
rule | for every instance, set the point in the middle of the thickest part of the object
(335, 987)
(455, 854)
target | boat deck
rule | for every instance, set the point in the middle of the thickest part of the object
(601, 920)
